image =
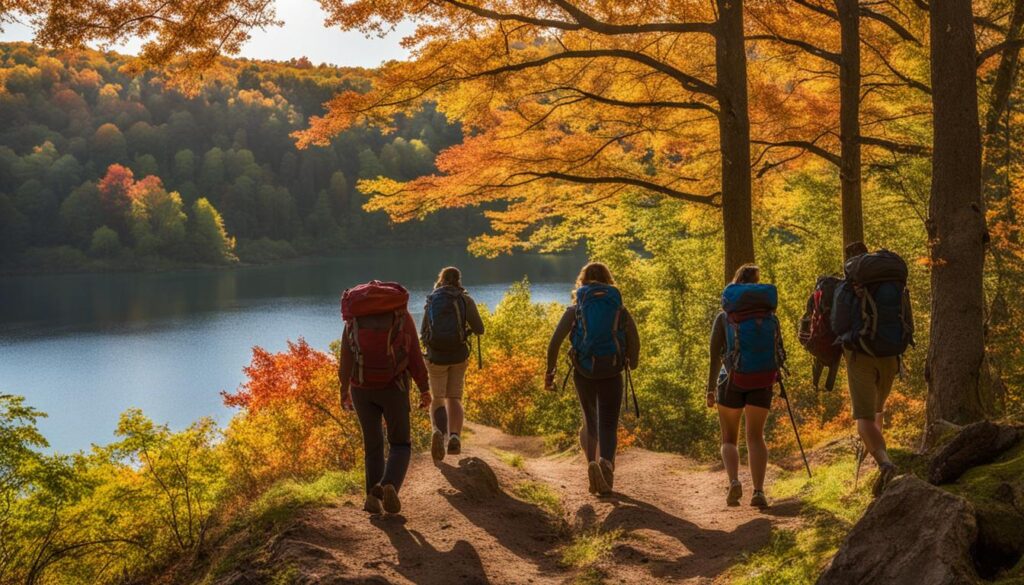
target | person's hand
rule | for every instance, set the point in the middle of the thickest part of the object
(711, 398)
(424, 400)
(346, 401)
(549, 381)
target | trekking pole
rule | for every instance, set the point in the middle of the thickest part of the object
(782, 393)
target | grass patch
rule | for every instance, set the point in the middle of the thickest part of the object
(540, 495)
(831, 506)
(282, 500)
(511, 459)
(589, 547)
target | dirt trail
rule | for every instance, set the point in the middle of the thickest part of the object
(460, 526)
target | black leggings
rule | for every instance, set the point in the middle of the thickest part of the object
(601, 401)
(375, 406)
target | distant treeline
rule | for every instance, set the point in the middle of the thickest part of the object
(103, 167)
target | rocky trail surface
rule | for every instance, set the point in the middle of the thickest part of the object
(504, 512)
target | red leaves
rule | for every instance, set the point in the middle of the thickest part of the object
(289, 376)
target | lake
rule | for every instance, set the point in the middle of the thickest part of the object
(85, 347)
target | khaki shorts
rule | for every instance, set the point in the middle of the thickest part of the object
(870, 379)
(447, 381)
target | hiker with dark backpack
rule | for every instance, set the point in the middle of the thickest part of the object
(872, 318)
(605, 344)
(449, 317)
(746, 359)
(379, 353)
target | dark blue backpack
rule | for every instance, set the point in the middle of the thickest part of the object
(877, 321)
(446, 334)
(753, 346)
(598, 333)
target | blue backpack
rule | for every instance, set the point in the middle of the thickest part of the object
(753, 346)
(446, 333)
(876, 322)
(598, 333)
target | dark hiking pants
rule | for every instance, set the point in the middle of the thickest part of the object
(374, 408)
(601, 401)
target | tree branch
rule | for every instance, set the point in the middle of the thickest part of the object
(1007, 45)
(803, 45)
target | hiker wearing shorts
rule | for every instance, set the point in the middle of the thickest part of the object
(379, 355)
(743, 395)
(873, 364)
(605, 343)
(449, 317)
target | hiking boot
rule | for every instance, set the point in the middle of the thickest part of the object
(372, 504)
(593, 476)
(886, 472)
(608, 475)
(391, 503)
(735, 493)
(454, 445)
(437, 446)
(759, 500)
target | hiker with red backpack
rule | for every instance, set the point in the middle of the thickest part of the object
(379, 353)
(605, 343)
(747, 356)
(873, 322)
(449, 316)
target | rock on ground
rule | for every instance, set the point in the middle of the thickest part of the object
(914, 533)
(977, 444)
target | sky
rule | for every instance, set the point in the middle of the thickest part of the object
(303, 34)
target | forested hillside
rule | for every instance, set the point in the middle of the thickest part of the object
(103, 166)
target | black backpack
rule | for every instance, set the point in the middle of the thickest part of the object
(446, 334)
(816, 334)
(876, 322)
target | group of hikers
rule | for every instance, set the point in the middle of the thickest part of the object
(863, 317)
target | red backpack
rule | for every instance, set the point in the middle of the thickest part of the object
(375, 316)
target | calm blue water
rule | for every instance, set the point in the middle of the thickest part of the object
(84, 348)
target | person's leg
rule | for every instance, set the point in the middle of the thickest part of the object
(609, 406)
(588, 403)
(757, 449)
(729, 421)
(437, 376)
(886, 371)
(395, 403)
(453, 396)
(369, 415)
(863, 378)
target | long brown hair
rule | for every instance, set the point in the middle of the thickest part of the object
(747, 274)
(449, 276)
(593, 272)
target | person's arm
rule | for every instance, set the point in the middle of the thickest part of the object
(345, 365)
(424, 325)
(632, 341)
(717, 345)
(910, 313)
(417, 369)
(561, 332)
(476, 324)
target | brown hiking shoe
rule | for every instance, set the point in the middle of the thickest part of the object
(759, 500)
(437, 446)
(608, 475)
(886, 472)
(735, 493)
(598, 485)
(391, 503)
(454, 445)
(372, 504)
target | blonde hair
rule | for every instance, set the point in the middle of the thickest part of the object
(449, 276)
(593, 272)
(747, 274)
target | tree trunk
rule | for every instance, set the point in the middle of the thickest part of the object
(956, 225)
(734, 131)
(849, 120)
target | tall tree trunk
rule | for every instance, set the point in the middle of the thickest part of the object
(995, 186)
(849, 120)
(956, 224)
(734, 131)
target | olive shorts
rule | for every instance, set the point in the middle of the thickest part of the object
(447, 381)
(870, 380)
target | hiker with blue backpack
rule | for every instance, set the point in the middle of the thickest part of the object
(449, 317)
(747, 356)
(605, 345)
(873, 322)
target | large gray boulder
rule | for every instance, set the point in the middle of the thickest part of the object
(977, 444)
(914, 533)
